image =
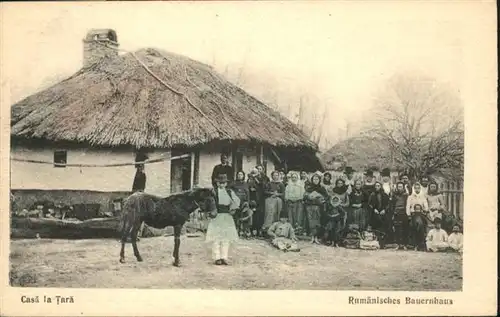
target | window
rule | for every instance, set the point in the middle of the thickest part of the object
(60, 157)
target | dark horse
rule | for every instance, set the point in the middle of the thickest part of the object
(160, 212)
(418, 227)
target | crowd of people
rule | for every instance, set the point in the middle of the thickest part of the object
(348, 211)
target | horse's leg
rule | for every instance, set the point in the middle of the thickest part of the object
(177, 243)
(135, 232)
(125, 232)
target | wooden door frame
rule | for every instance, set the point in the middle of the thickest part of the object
(180, 157)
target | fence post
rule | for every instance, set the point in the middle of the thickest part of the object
(461, 201)
(453, 197)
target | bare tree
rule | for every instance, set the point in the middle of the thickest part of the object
(308, 112)
(421, 121)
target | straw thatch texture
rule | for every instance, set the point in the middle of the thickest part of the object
(117, 102)
(361, 153)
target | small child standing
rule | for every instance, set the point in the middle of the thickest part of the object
(334, 218)
(437, 238)
(456, 240)
(369, 240)
(245, 220)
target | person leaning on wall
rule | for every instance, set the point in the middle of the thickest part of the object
(223, 168)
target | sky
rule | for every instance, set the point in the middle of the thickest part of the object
(340, 53)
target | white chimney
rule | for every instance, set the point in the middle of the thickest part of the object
(97, 44)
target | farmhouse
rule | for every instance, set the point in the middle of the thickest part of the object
(77, 141)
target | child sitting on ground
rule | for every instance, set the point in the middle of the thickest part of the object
(455, 240)
(352, 237)
(245, 220)
(282, 235)
(369, 240)
(437, 238)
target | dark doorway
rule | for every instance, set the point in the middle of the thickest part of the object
(180, 171)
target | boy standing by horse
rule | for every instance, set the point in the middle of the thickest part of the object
(221, 230)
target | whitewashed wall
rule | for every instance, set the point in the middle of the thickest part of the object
(107, 179)
(249, 161)
(40, 176)
(270, 167)
(210, 158)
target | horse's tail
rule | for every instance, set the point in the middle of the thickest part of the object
(123, 221)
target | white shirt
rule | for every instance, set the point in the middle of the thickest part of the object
(387, 187)
(349, 183)
(423, 191)
(456, 239)
(224, 199)
(437, 235)
(416, 199)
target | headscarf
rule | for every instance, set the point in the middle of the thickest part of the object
(414, 192)
(316, 187)
(272, 174)
(355, 190)
(339, 190)
(381, 190)
(290, 176)
(238, 180)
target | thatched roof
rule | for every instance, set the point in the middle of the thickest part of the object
(361, 153)
(117, 102)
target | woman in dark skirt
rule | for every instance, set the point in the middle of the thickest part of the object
(274, 192)
(357, 213)
(240, 188)
(314, 202)
(339, 192)
(381, 215)
(262, 181)
(255, 194)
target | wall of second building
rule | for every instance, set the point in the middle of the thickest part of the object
(25, 175)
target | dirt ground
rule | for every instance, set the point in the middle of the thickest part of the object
(254, 265)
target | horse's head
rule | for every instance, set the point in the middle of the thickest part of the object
(204, 198)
